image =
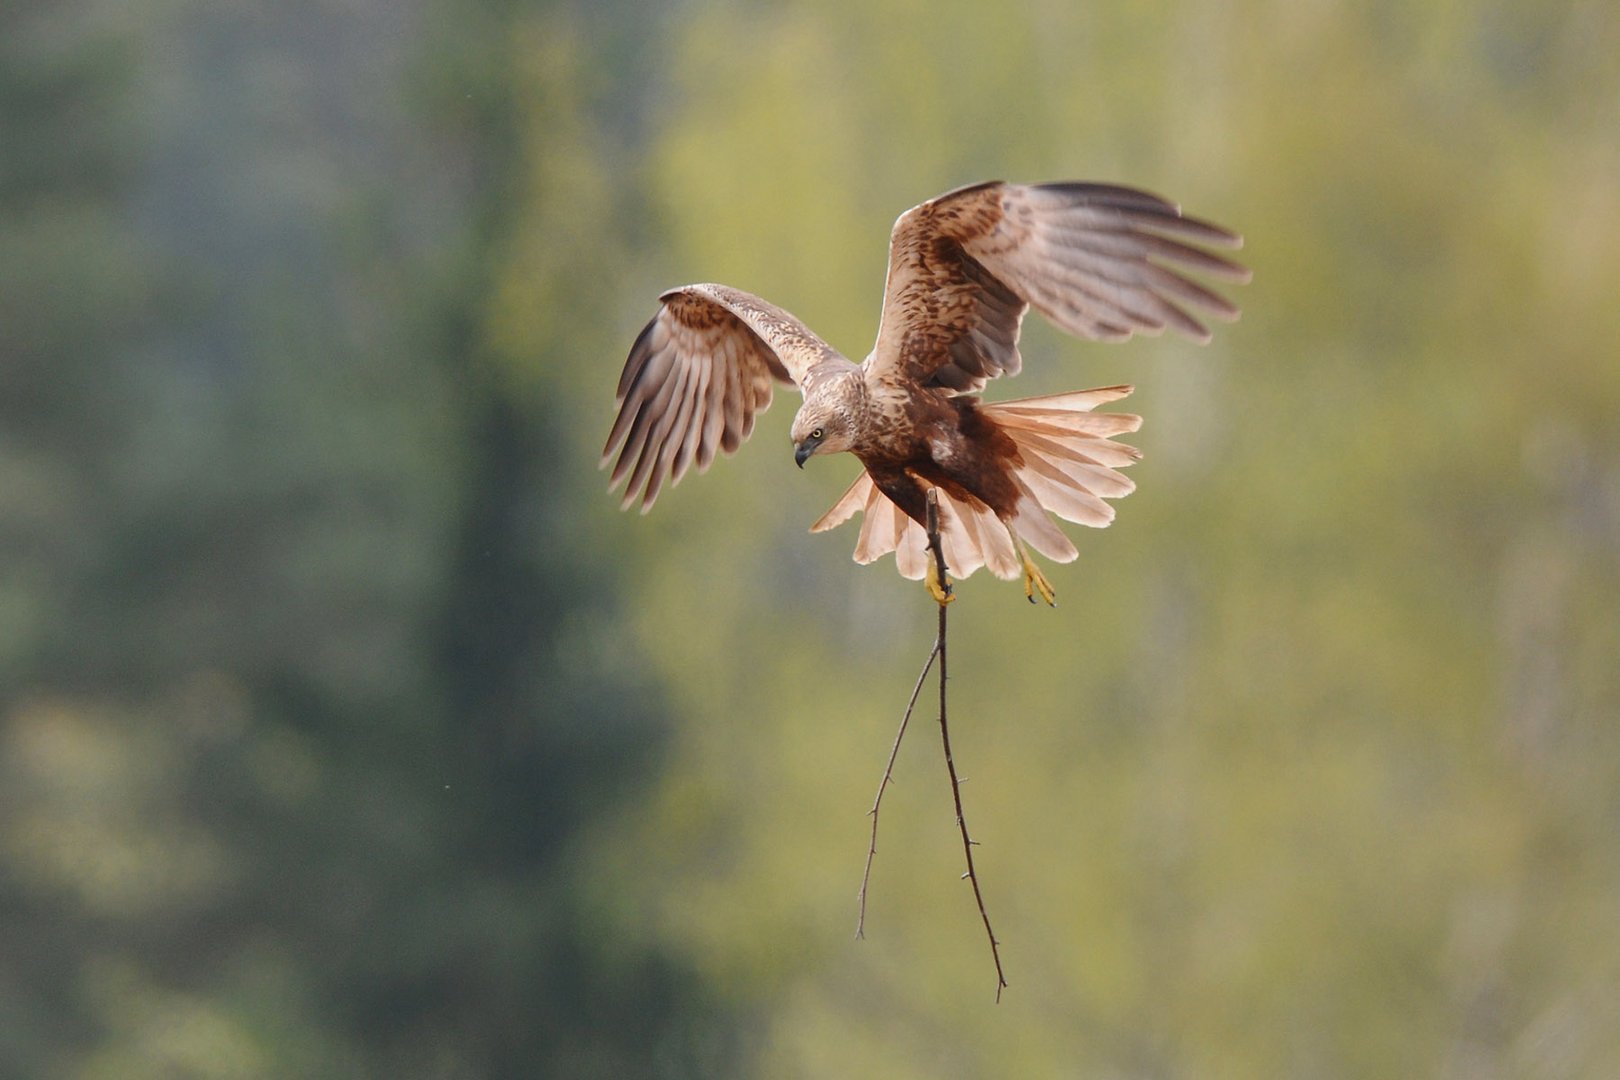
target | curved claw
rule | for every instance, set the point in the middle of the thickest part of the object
(1035, 581)
(939, 586)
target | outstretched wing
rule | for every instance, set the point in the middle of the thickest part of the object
(1100, 261)
(696, 378)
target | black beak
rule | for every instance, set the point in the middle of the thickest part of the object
(802, 451)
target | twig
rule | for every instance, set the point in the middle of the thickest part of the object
(888, 775)
(950, 764)
(937, 652)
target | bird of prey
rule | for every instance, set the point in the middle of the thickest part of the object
(1100, 261)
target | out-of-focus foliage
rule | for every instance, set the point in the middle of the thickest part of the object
(346, 729)
(312, 687)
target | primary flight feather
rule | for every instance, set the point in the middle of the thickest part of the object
(1099, 261)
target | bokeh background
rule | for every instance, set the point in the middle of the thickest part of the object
(347, 729)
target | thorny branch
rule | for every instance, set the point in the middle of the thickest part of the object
(937, 652)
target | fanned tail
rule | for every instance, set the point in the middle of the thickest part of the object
(1068, 465)
(969, 531)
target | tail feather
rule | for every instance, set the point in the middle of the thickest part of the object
(1067, 425)
(1101, 481)
(911, 550)
(971, 535)
(958, 533)
(1036, 529)
(1069, 462)
(848, 504)
(1068, 466)
(1054, 491)
(1074, 401)
(994, 543)
(1083, 449)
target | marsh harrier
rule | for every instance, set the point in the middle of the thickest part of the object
(1099, 261)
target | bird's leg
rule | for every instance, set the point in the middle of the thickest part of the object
(938, 581)
(939, 585)
(1034, 580)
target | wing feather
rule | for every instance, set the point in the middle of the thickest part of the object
(1101, 262)
(648, 417)
(688, 424)
(738, 408)
(698, 374)
(649, 471)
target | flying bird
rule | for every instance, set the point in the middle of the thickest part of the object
(1100, 261)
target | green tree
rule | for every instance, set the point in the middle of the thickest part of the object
(314, 692)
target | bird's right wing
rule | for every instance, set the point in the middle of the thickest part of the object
(695, 379)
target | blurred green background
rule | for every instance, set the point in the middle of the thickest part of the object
(348, 730)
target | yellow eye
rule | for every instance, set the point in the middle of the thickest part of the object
(816, 434)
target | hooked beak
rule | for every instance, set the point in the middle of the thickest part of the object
(802, 451)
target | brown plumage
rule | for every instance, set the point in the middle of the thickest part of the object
(1099, 261)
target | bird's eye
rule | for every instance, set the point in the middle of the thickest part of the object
(818, 433)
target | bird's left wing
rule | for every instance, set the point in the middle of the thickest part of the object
(1100, 261)
(696, 378)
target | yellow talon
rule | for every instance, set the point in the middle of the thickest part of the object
(939, 586)
(1035, 581)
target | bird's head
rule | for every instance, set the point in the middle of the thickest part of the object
(825, 423)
